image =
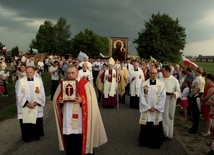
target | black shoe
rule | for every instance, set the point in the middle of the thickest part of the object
(155, 147)
(165, 138)
(36, 138)
(28, 140)
(140, 144)
(192, 132)
(211, 152)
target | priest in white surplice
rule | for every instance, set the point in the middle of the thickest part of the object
(135, 78)
(30, 97)
(172, 93)
(152, 101)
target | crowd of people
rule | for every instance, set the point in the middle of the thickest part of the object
(154, 88)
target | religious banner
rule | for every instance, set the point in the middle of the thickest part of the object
(118, 48)
(69, 90)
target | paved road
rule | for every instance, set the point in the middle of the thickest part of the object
(121, 126)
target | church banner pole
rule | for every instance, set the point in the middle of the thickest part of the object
(118, 104)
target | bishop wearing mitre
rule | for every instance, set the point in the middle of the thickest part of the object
(110, 85)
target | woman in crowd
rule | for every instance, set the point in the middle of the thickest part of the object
(205, 109)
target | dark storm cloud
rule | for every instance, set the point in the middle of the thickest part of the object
(110, 18)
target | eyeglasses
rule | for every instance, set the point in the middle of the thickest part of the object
(152, 73)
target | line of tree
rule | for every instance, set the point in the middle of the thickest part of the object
(56, 38)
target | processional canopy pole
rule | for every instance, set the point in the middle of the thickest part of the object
(117, 80)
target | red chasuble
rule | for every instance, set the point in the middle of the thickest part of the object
(93, 130)
(82, 93)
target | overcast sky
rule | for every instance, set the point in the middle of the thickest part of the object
(20, 19)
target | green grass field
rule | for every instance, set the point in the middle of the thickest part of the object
(209, 67)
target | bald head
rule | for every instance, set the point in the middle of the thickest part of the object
(30, 72)
(84, 65)
(136, 65)
(153, 73)
(153, 70)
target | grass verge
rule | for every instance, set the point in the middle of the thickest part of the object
(8, 104)
(194, 144)
(8, 112)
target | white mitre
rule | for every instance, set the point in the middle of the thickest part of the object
(111, 61)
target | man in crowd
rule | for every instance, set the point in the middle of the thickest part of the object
(79, 123)
(23, 59)
(96, 66)
(152, 102)
(172, 93)
(40, 65)
(30, 102)
(190, 76)
(54, 71)
(46, 64)
(77, 64)
(30, 62)
(21, 72)
(135, 77)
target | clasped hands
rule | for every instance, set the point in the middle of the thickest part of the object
(152, 109)
(171, 94)
(109, 76)
(31, 105)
